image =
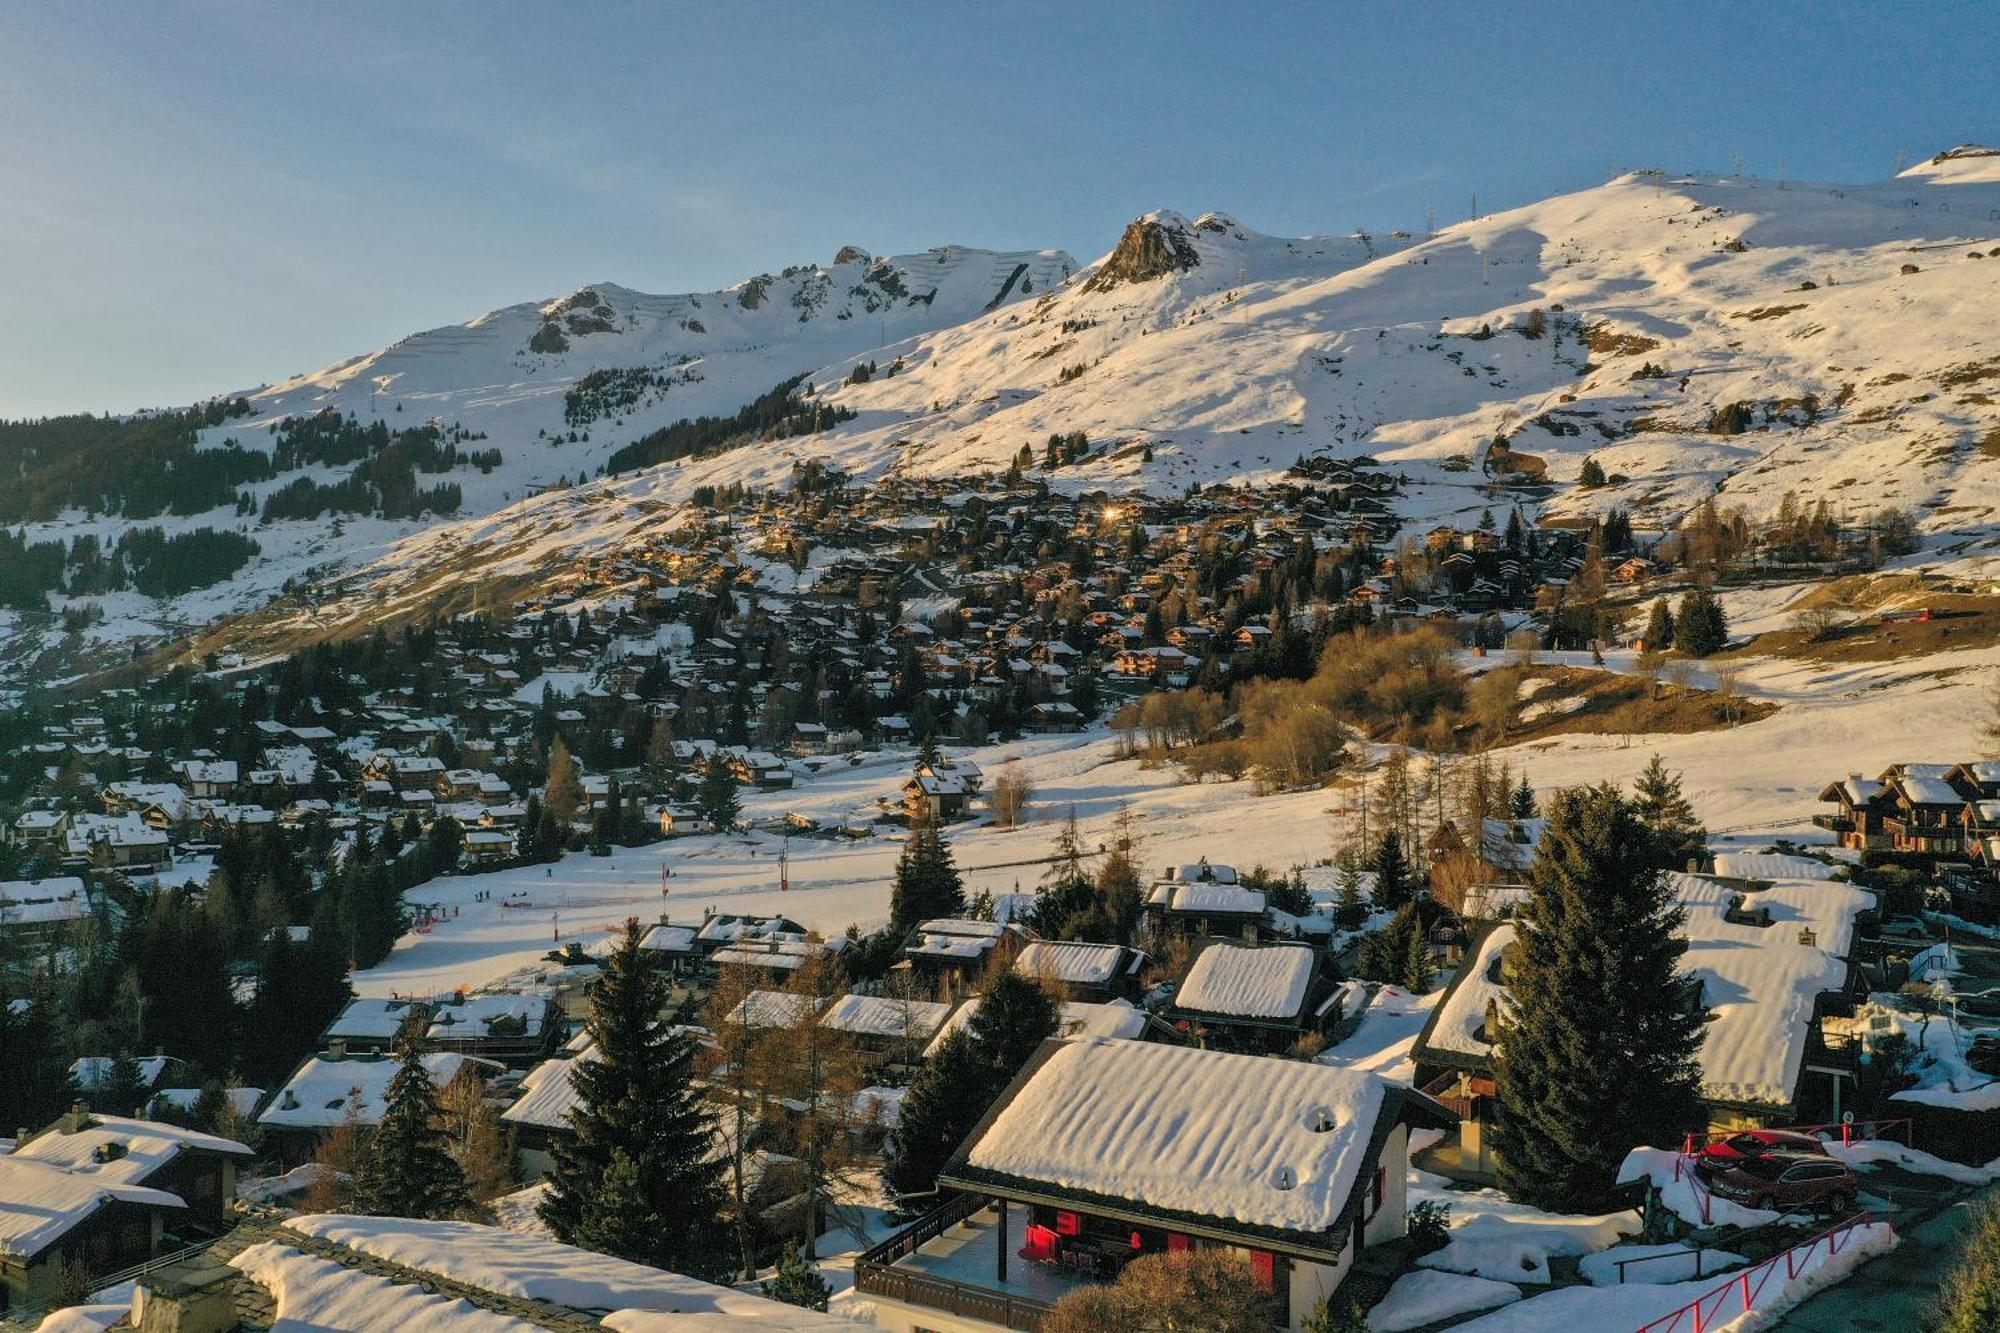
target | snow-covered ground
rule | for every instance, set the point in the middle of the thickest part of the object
(1750, 783)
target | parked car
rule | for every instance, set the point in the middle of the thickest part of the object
(1907, 928)
(1981, 1004)
(1721, 1154)
(1784, 1181)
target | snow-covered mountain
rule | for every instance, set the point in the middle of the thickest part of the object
(1696, 334)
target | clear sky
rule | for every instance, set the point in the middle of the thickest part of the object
(199, 197)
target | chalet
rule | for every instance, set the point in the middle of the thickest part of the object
(38, 911)
(370, 1026)
(507, 1028)
(200, 1168)
(92, 1074)
(1924, 809)
(939, 795)
(1205, 899)
(39, 828)
(326, 1092)
(1089, 972)
(1103, 1150)
(886, 1031)
(775, 958)
(1766, 966)
(671, 947)
(1864, 808)
(53, 1221)
(209, 779)
(1258, 999)
(678, 821)
(539, 1117)
(765, 771)
(954, 949)
(484, 848)
(725, 930)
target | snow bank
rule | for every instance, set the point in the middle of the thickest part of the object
(1601, 1269)
(1489, 1215)
(1877, 1152)
(1503, 1259)
(1629, 1307)
(1684, 1196)
(1425, 1298)
(313, 1293)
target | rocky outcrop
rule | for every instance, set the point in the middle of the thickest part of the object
(1155, 246)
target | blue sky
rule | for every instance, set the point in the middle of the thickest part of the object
(202, 197)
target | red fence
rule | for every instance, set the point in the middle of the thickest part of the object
(1739, 1295)
(1847, 1131)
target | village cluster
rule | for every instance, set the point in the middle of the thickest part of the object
(992, 1111)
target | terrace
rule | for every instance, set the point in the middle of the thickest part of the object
(964, 1259)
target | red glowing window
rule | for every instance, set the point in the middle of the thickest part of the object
(1263, 1269)
(1041, 1244)
(1069, 1224)
(1176, 1243)
(1137, 1243)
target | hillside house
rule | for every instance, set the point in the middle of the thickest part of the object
(1205, 899)
(952, 950)
(103, 1193)
(326, 1091)
(1102, 1150)
(370, 1026)
(1767, 966)
(507, 1028)
(35, 913)
(1255, 999)
(1094, 973)
(1864, 807)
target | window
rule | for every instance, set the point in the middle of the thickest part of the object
(1263, 1269)
(1069, 1224)
(1176, 1243)
(1373, 1204)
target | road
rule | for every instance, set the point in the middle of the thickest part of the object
(1899, 1290)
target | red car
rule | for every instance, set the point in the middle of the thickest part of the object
(1782, 1181)
(1750, 1144)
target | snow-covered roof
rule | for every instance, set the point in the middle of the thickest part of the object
(1077, 1018)
(1209, 898)
(773, 1009)
(1924, 789)
(1760, 983)
(370, 1019)
(94, 1071)
(526, 1267)
(323, 1092)
(1248, 983)
(548, 1093)
(1236, 1138)
(42, 901)
(1770, 865)
(132, 1149)
(1074, 964)
(478, 1015)
(41, 1202)
(669, 939)
(881, 1016)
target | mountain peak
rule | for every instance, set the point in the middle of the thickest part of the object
(1153, 246)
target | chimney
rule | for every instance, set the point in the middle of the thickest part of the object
(194, 1296)
(75, 1120)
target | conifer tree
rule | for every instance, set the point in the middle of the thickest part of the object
(1392, 873)
(944, 1102)
(716, 797)
(1677, 835)
(1660, 627)
(408, 1170)
(1416, 975)
(798, 1281)
(927, 883)
(122, 1087)
(1700, 628)
(562, 794)
(636, 1097)
(968, 1071)
(1598, 1041)
(1521, 804)
(38, 1086)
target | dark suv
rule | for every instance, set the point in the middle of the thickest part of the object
(1784, 1181)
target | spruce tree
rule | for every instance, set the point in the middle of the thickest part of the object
(1599, 1038)
(1521, 804)
(1392, 873)
(122, 1088)
(944, 1102)
(408, 1170)
(1015, 1015)
(798, 1281)
(716, 797)
(636, 1097)
(1660, 627)
(1677, 835)
(1416, 974)
(1700, 628)
(927, 883)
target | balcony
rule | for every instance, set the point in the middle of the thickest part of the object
(949, 1262)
